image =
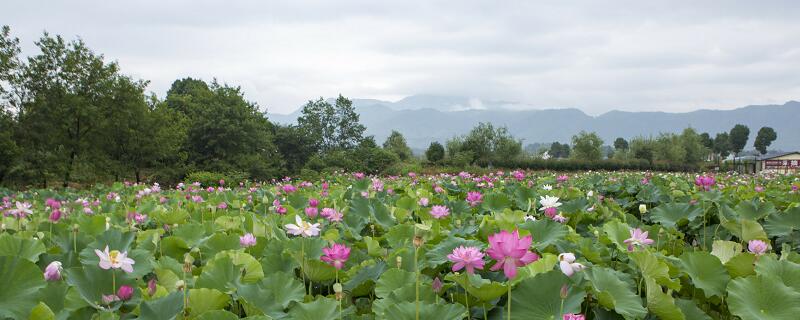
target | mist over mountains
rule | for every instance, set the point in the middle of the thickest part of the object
(426, 118)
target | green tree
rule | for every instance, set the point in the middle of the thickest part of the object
(620, 144)
(738, 139)
(643, 148)
(397, 143)
(64, 88)
(331, 126)
(669, 148)
(489, 144)
(764, 138)
(559, 150)
(435, 152)
(706, 140)
(295, 147)
(587, 146)
(722, 146)
(8, 147)
(225, 133)
(692, 143)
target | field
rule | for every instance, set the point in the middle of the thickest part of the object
(557, 246)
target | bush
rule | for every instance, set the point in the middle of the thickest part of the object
(208, 179)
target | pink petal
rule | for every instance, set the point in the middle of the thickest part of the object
(510, 270)
(566, 268)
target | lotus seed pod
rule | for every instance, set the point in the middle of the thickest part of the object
(399, 261)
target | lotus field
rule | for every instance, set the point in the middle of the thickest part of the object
(505, 245)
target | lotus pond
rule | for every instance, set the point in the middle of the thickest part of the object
(518, 245)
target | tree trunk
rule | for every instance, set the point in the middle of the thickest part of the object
(68, 172)
(138, 176)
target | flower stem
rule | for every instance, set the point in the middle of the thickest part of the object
(466, 296)
(303, 262)
(113, 281)
(509, 300)
(416, 271)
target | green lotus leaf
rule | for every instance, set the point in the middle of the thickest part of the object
(20, 280)
(613, 293)
(762, 298)
(706, 271)
(540, 297)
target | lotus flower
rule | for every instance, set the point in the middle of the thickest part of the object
(53, 271)
(312, 212)
(705, 182)
(547, 187)
(474, 198)
(331, 214)
(566, 261)
(439, 212)
(573, 316)
(548, 202)
(510, 252)
(303, 228)
(466, 257)
(247, 240)
(125, 293)
(423, 202)
(115, 259)
(757, 247)
(336, 255)
(638, 238)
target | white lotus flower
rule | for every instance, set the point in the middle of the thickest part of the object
(549, 202)
(302, 228)
(547, 187)
(566, 261)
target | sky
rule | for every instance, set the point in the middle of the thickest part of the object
(596, 56)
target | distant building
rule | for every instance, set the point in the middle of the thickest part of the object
(780, 163)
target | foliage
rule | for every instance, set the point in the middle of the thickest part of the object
(397, 143)
(764, 138)
(586, 146)
(435, 152)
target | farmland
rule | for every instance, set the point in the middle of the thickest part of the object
(519, 245)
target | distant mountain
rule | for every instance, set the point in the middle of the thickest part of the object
(426, 118)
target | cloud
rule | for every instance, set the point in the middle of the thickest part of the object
(633, 55)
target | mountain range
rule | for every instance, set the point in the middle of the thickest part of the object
(426, 118)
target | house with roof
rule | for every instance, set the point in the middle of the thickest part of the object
(781, 163)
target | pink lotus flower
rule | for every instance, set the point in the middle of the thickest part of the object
(466, 257)
(757, 247)
(151, 287)
(222, 206)
(439, 212)
(759, 189)
(336, 255)
(510, 252)
(115, 259)
(280, 210)
(562, 178)
(313, 202)
(474, 198)
(125, 293)
(22, 210)
(423, 202)
(55, 215)
(331, 214)
(573, 316)
(638, 238)
(312, 212)
(705, 182)
(438, 189)
(247, 240)
(377, 185)
(359, 175)
(53, 203)
(519, 175)
(437, 285)
(53, 271)
(109, 298)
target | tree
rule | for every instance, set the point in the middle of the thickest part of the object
(559, 150)
(64, 87)
(295, 147)
(738, 139)
(8, 147)
(620, 144)
(331, 126)
(692, 143)
(587, 146)
(485, 144)
(706, 140)
(225, 133)
(435, 152)
(722, 146)
(764, 138)
(643, 148)
(397, 143)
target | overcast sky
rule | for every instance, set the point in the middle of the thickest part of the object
(634, 55)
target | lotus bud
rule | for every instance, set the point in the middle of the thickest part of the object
(337, 289)
(564, 291)
(125, 293)
(642, 208)
(399, 261)
(437, 285)
(180, 285)
(418, 241)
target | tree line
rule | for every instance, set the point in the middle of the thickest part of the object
(68, 115)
